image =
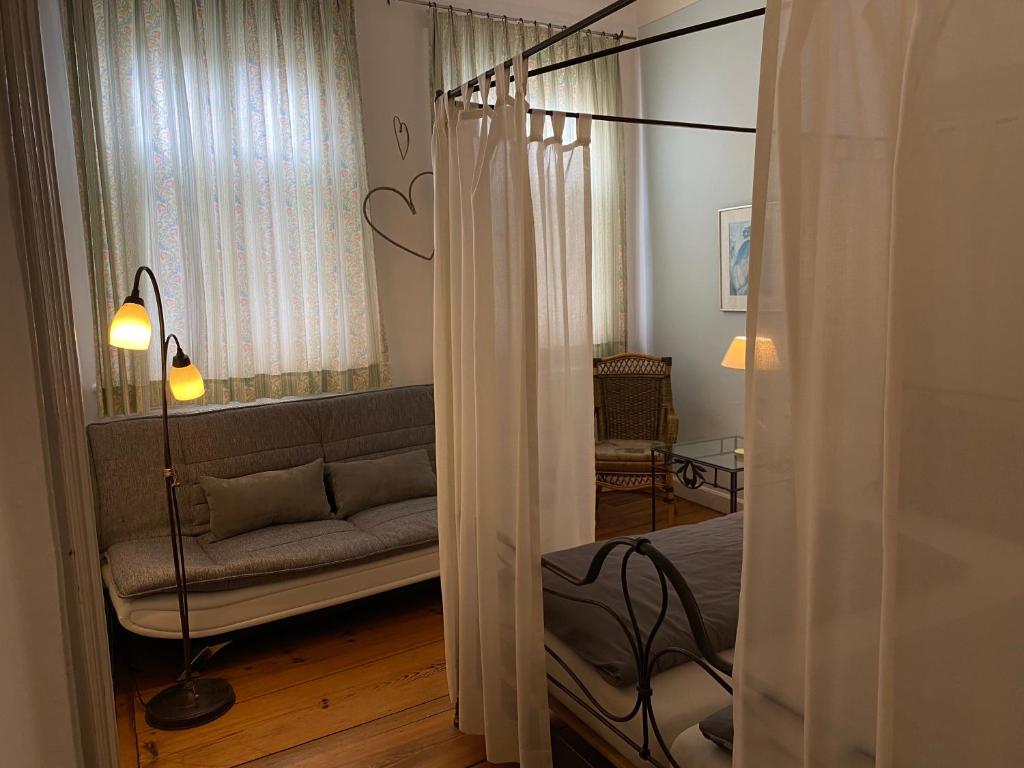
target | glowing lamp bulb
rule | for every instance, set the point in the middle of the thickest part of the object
(130, 328)
(185, 380)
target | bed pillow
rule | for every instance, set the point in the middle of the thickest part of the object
(359, 485)
(247, 503)
(717, 728)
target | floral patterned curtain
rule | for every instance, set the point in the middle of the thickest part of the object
(221, 143)
(464, 45)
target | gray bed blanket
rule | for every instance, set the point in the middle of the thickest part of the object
(707, 554)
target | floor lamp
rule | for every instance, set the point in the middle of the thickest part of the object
(193, 700)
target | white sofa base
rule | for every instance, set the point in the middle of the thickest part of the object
(227, 610)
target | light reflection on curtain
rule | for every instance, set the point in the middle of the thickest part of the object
(221, 143)
(463, 45)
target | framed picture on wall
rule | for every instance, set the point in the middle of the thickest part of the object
(734, 257)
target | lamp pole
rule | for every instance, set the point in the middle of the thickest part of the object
(192, 700)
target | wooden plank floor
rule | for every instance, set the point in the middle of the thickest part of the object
(348, 687)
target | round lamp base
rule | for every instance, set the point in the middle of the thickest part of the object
(187, 705)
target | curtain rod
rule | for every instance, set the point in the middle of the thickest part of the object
(654, 121)
(474, 84)
(502, 16)
(670, 35)
(640, 120)
(558, 37)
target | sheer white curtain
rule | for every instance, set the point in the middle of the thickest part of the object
(882, 615)
(463, 45)
(514, 400)
(221, 143)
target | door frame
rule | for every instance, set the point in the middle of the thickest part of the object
(42, 255)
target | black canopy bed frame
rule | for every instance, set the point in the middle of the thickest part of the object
(641, 640)
(467, 89)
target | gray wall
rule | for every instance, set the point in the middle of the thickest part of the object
(711, 76)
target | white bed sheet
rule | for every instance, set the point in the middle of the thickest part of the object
(683, 696)
(693, 750)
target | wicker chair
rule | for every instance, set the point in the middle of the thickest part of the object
(632, 411)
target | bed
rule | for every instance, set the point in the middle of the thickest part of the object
(639, 635)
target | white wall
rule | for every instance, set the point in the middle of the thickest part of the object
(35, 708)
(690, 175)
(648, 11)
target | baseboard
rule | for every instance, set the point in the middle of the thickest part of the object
(707, 496)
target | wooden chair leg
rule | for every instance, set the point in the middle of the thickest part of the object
(670, 498)
(669, 488)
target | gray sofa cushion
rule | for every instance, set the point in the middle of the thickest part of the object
(359, 485)
(240, 440)
(144, 567)
(251, 502)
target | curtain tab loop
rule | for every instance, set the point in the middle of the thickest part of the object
(558, 124)
(521, 74)
(583, 125)
(500, 82)
(485, 89)
(537, 125)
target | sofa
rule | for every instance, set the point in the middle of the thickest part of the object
(275, 571)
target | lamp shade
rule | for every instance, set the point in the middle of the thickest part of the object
(130, 328)
(766, 357)
(186, 381)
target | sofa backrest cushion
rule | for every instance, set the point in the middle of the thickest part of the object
(127, 453)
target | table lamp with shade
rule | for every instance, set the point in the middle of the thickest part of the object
(192, 700)
(766, 357)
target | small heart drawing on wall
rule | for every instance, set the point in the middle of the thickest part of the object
(401, 135)
(406, 198)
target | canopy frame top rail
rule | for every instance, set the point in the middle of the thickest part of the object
(471, 86)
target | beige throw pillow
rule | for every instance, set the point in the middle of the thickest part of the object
(247, 503)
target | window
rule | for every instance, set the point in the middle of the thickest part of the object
(466, 45)
(221, 143)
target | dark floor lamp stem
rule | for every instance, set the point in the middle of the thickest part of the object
(193, 700)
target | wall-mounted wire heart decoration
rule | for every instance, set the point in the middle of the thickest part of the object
(402, 137)
(407, 199)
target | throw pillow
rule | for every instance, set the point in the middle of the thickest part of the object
(359, 485)
(247, 503)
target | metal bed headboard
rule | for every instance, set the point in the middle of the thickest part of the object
(642, 643)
